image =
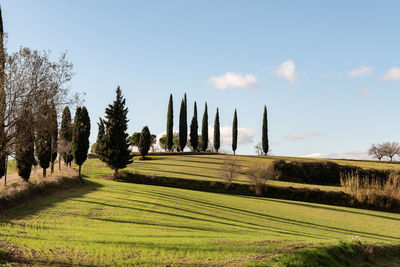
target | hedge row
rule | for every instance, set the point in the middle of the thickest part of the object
(322, 172)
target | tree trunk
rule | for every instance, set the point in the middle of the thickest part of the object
(59, 162)
(5, 171)
(44, 172)
(80, 176)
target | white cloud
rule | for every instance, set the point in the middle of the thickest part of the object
(392, 75)
(233, 80)
(359, 155)
(360, 71)
(303, 135)
(287, 70)
(245, 135)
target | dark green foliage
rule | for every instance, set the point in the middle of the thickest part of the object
(100, 139)
(144, 142)
(116, 152)
(43, 137)
(265, 146)
(182, 126)
(204, 130)
(25, 145)
(170, 124)
(322, 172)
(54, 134)
(80, 136)
(216, 132)
(66, 136)
(194, 135)
(134, 139)
(234, 132)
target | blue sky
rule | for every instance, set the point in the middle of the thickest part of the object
(328, 71)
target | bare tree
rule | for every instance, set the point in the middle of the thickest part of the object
(376, 151)
(390, 149)
(259, 174)
(229, 170)
(259, 150)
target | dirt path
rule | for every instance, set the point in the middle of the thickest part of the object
(14, 177)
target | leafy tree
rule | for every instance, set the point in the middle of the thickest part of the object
(66, 136)
(25, 144)
(182, 126)
(204, 130)
(116, 152)
(194, 135)
(100, 139)
(216, 132)
(234, 132)
(80, 137)
(163, 142)
(2, 102)
(134, 139)
(265, 146)
(170, 123)
(93, 148)
(144, 142)
(43, 138)
(53, 124)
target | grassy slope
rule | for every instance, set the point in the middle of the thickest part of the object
(112, 223)
(207, 167)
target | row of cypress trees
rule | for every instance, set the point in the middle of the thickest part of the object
(194, 138)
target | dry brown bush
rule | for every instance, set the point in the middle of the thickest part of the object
(259, 174)
(229, 170)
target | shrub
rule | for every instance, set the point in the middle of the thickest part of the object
(259, 174)
(229, 170)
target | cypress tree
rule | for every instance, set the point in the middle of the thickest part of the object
(24, 145)
(265, 146)
(80, 137)
(194, 135)
(144, 142)
(116, 152)
(182, 127)
(54, 135)
(170, 124)
(66, 136)
(100, 137)
(2, 103)
(185, 128)
(204, 130)
(43, 138)
(216, 132)
(234, 133)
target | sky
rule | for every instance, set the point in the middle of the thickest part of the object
(328, 71)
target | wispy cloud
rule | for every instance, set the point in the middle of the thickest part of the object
(359, 155)
(392, 75)
(233, 80)
(360, 71)
(303, 135)
(245, 135)
(287, 70)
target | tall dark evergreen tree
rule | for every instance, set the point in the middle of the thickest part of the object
(144, 142)
(265, 145)
(80, 137)
(24, 145)
(182, 126)
(100, 139)
(194, 135)
(66, 136)
(116, 152)
(170, 124)
(234, 132)
(204, 130)
(2, 102)
(43, 137)
(216, 132)
(185, 125)
(53, 124)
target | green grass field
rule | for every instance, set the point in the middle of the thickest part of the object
(108, 223)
